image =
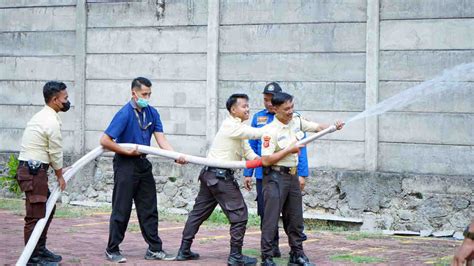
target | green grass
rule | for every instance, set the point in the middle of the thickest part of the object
(355, 258)
(255, 253)
(363, 235)
(218, 218)
(62, 211)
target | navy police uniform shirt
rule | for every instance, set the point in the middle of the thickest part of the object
(125, 127)
(260, 119)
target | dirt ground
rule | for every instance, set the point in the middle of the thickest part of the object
(82, 240)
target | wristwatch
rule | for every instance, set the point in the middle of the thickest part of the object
(468, 234)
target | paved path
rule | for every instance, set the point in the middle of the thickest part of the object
(83, 240)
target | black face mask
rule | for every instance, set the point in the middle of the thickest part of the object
(66, 106)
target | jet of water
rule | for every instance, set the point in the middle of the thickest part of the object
(451, 79)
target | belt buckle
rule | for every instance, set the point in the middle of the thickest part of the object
(293, 170)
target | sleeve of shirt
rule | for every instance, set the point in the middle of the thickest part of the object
(243, 131)
(249, 154)
(268, 144)
(308, 126)
(303, 162)
(157, 122)
(254, 145)
(117, 125)
(55, 146)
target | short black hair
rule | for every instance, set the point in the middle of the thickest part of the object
(138, 82)
(233, 99)
(51, 89)
(281, 98)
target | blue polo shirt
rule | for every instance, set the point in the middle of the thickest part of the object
(259, 120)
(125, 128)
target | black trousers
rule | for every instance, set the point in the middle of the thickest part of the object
(282, 194)
(261, 211)
(133, 180)
(226, 193)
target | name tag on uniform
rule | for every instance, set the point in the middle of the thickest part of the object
(283, 141)
(262, 120)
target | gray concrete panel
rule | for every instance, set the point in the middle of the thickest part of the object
(37, 68)
(10, 140)
(36, 3)
(147, 40)
(17, 116)
(289, 11)
(452, 129)
(153, 66)
(293, 67)
(28, 92)
(427, 34)
(424, 159)
(38, 19)
(37, 43)
(331, 37)
(409, 9)
(187, 94)
(326, 154)
(148, 13)
(315, 96)
(459, 100)
(178, 121)
(420, 65)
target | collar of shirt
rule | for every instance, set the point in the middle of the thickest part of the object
(280, 124)
(134, 105)
(234, 119)
(50, 110)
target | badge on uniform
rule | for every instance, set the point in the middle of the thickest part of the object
(266, 141)
(262, 120)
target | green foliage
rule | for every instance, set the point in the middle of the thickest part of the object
(9, 181)
(355, 258)
(218, 218)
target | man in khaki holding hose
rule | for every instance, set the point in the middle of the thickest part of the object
(41, 147)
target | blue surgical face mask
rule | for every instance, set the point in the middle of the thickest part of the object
(142, 103)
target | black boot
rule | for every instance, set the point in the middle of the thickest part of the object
(45, 254)
(236, 257)
(35, 259)
(299, 259)
(185, 253)
(268, 262)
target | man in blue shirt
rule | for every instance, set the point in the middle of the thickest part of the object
(261, 119)
(135, 123)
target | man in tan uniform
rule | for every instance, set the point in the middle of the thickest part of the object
(41, 147)
(281, 186)
(218, 185)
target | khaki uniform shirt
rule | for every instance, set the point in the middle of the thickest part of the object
(42, 140)
(230, 143)
(278, 136)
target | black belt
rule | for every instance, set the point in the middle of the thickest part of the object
(221, 173)
(284, 169)
(45, 166)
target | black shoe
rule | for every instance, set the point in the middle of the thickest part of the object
(236, 258)
(37, 260)
(186, 255)
(48, 255)
(115, 257)
(299, 259)
(268, 262)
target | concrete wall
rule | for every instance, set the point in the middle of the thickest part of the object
(336, 57)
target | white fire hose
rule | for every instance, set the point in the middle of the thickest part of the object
(30, 246)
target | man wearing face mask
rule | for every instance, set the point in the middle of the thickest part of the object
(41, 147)
(135, 123)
